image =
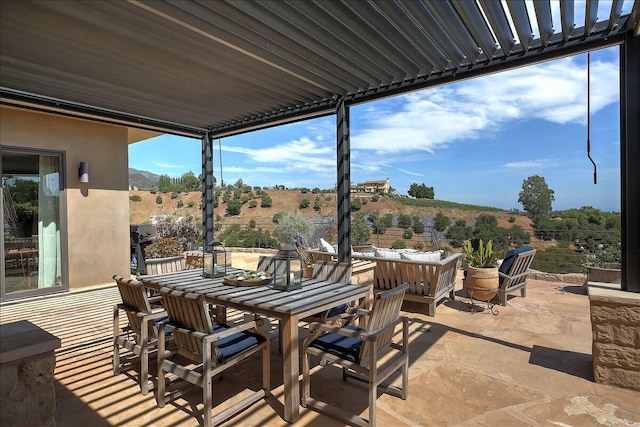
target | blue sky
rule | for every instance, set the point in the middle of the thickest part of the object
(474, 141)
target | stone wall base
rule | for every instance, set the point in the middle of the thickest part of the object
(615, 325)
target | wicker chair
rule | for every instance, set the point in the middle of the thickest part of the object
(359, 351)
(140, 335)
(212, 347)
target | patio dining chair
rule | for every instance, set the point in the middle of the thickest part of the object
(359, 352)
(208, 349)
(330, 271)
(140, 335)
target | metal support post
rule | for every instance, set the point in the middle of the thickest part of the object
(343, 150)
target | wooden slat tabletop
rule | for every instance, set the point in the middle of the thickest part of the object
(314, 296)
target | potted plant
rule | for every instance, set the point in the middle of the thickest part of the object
(481, 275)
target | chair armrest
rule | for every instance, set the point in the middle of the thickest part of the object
(230, 331)
(515, 276)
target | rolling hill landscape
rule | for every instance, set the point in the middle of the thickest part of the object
(188, 205)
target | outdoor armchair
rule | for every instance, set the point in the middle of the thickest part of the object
(140, 335)
(359, 352)
(208, 349)
(330, 271)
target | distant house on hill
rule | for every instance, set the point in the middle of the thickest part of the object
(381, 186)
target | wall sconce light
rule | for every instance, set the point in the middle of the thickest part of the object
(83, 172)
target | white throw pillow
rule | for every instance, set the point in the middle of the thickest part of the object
(326, 247)
(386, 253)
(423, 257)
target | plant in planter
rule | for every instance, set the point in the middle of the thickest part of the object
(604, 265)
(164, 255)
(164, 247)
(481, 275)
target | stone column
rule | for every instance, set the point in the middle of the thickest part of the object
(27, 362)
(615, 325)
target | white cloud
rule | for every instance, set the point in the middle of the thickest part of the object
(530, 164)
(168, 165)
(410, 173)
(434, 118)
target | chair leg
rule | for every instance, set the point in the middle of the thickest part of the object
(523, 291)
(144, 359)
(161, 384)
(116, 346)
(373, 394)
(431, 308)
(207, 384)
(266, 367)
(306, 386)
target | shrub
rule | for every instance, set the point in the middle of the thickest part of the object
(404, 221)
(408, 234)
(159, 200)
(512, 218)
(317, 204)
(191, 204)
(304, 203)
(233, 207)
(356, 204)
(174, 195)
(442, 222)
(184, 231)
(163, 248)
(135, 198)
(294, 224)
(253, 204)
(266, 201)
(418, 246)
(375, 197)
(399, 244)
(180, 204)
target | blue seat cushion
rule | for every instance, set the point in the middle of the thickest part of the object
(510, 258)
(162, 320)
(347, 348)
(335, 311)
(235, 344)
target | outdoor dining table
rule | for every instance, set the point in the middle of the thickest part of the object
(288, 306)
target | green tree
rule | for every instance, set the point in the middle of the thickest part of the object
(421, 191)
(190, 182)
(442, 222)
(536, 197)
(164, 184)
(359, 230)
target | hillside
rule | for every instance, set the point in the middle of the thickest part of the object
(143, 180)
(289, 200)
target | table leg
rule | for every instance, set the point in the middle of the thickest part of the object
(291, 368)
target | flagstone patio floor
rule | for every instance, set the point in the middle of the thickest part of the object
(528, 366)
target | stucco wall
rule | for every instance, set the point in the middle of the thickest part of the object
(97, 213)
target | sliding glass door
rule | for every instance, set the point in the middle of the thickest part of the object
(31, 241)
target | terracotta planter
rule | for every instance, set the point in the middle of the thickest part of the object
(482, 283)
(608, 273)
(308, 271)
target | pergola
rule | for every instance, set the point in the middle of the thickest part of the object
(213, 68)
